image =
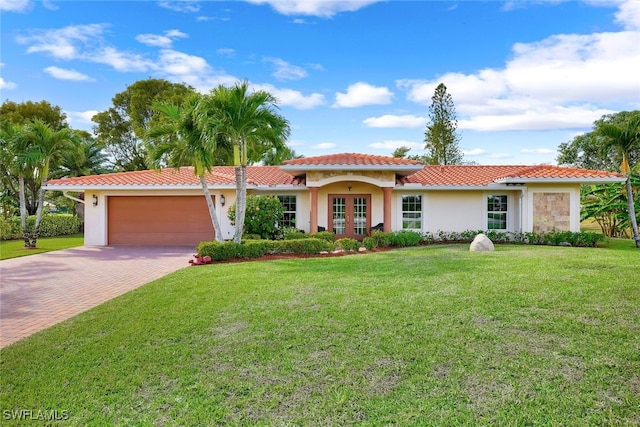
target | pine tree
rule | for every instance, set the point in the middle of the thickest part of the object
(441, 139)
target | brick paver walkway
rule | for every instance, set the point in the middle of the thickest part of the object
(38, 291)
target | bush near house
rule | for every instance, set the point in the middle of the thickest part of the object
(52, 225)
(256, 248)
(553, 238)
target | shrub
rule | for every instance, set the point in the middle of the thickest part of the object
(347, 244)
(51, 225)
(407, 238)
(310, 245)
(261, 217)
(369, 243)
(383, 239)
(328, 236)
(253, 248)
(218, 251)
(291, 233)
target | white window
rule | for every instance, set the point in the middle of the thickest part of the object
(412, 212)
(497, 212)
(289, 214)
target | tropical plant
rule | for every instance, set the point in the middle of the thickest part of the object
(249, 123)
(262, 215)
(607, 205)
(625, 138)
(180, 141)
(36, 149)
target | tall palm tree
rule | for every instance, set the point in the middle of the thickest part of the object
(250, 124)
(16, 163)
(44, 147)
(624, 137)
(179, 141)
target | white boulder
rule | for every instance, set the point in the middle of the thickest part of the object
(481, 244)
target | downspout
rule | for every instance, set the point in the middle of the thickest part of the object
(75, 199)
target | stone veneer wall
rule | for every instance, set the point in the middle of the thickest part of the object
(551, 211)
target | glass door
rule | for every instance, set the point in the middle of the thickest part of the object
(350, 215)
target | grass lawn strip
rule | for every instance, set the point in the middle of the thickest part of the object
(431, 336)
(15, 248)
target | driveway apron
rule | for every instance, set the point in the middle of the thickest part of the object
(38, 291)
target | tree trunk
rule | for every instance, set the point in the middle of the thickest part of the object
(23, 211)
(241, 201)
(632, 212)
(36, 227)
(212, 210)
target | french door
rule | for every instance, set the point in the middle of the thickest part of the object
(350, 215)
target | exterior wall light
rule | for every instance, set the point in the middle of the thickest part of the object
(222, 200)
(95, 200)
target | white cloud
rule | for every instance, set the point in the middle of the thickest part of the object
(49, 5)
(474, 152)
(65, 74)
(391, 145)
(230, 53)
(121, 61)
(7, 85)
(325, 146)
(538, 151)
(160, 41)
(564, 81)
(64, 43)
(629, 15)
(292, 98)
(320, 8)
(15, 5)
(81, 119)
(360, 94)
(393, 121)
(286, 71)
(186, 6)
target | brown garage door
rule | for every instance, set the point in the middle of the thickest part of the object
(158, 220)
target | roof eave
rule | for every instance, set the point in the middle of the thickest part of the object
(556, 180)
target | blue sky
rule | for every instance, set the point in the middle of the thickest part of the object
(351, 76)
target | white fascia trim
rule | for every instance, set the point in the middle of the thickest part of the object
(603, 180)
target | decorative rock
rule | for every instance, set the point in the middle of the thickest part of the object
(362, 249)
(567, 244)
(481, 244)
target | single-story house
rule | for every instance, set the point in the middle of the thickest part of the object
(344, 193)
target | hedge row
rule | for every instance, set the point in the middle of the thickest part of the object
(256, 248)
(552, 238)
(52, 225)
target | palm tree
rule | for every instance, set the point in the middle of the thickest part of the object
(250, 124)
(44, 146)
(16, 162)
(178, 141)
(625, 138)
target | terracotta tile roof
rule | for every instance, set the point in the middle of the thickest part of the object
(431, 176)
(221, 175)
(434, 175)
(350, 159)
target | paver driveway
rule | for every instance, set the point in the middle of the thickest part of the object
(38, 291)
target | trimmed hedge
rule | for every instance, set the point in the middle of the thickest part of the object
(347, 244)
(256, 248)
(52, 225)
(553, 238)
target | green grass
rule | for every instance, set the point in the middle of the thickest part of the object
(15, 248)
(438, 335)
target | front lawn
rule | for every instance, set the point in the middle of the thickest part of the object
(437, 335)
(15, 248)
